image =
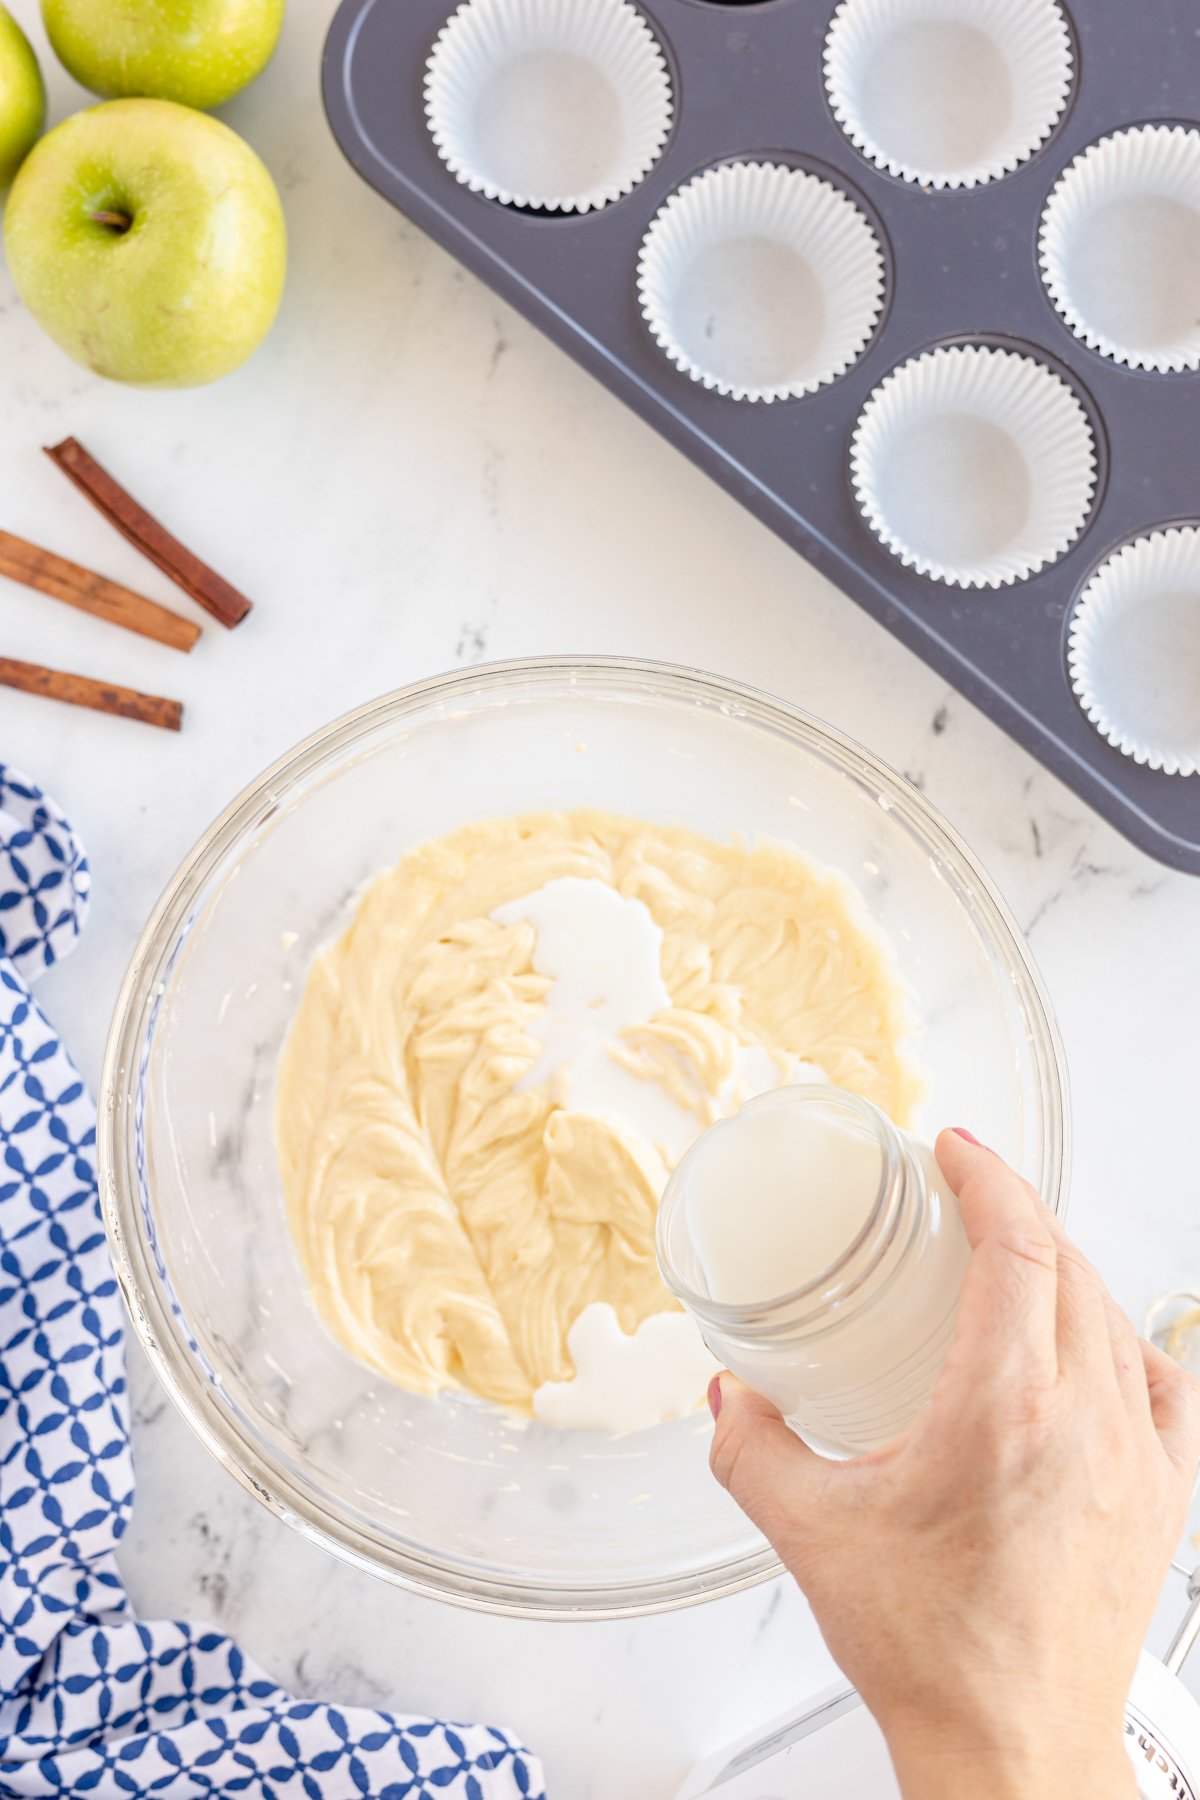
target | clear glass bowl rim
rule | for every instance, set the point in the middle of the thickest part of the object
(159, 1331)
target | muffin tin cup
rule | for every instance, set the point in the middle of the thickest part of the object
(948, 93)
(542, 104)
(1119, 247)
(761, 282)
(980, 515)
(975, 466)
(1133, 650)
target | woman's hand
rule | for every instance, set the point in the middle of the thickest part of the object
(987, 1580)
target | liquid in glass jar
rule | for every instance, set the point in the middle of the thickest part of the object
(822, 1254)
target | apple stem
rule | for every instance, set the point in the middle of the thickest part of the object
(118, 222)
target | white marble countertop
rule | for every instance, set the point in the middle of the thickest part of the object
(406, 478)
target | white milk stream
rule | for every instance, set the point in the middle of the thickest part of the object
(603, 954)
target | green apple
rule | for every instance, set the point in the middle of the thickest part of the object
(22, 98)
(198, 52)
(149, 241)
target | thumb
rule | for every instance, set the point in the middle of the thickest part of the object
(774, 1477)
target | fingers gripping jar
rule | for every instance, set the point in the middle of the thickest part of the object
(822, 1255)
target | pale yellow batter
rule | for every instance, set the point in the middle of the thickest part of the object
(451, 1227)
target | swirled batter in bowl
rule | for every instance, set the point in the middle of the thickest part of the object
(491, 1072)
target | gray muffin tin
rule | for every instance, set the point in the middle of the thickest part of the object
(961, 267)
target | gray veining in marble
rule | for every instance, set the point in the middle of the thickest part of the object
(407, 477)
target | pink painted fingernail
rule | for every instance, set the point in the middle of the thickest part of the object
(714, 1395)
(962, 1132)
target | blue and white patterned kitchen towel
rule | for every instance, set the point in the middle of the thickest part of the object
(92, 1700)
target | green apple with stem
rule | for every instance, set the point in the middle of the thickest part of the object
(199, 52)
(22, 98)
(149, 241)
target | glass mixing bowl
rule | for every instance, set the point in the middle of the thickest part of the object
(448, 1495)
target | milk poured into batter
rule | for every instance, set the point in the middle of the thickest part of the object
(603, 954)
(493, 1069)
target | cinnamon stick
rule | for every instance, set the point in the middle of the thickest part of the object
(91, 593)
(206, 587)
(101, 696)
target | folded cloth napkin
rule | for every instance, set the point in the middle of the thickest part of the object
(92, 1700)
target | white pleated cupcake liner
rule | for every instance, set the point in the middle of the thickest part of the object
(1145, 164)
(1034, 410)
(483, 38)
(1133, 650)
(759, 208)
(1032, 38)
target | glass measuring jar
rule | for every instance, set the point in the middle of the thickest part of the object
(848, 1349)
